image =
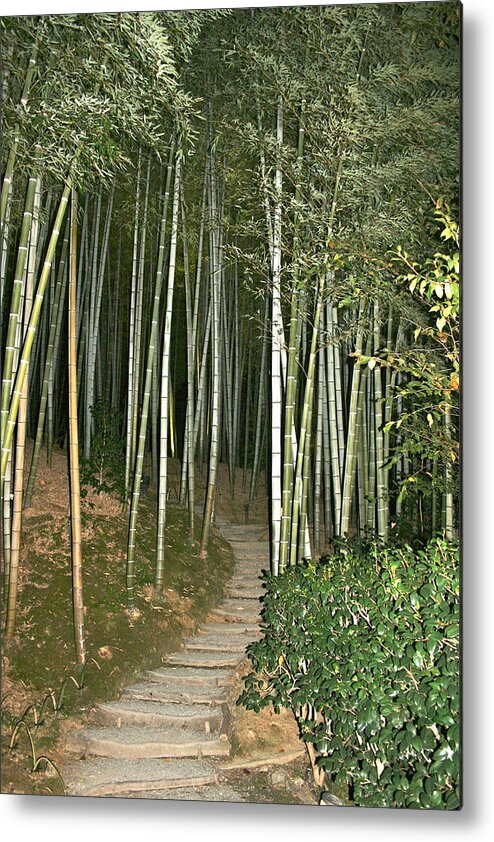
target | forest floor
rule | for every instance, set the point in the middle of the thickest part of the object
(38, 663)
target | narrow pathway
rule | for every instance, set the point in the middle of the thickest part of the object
(166, 736)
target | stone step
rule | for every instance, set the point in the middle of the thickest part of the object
(221, 792)
(250, 546)
(246, 577)
(215, 792)
(247, 630)
(230, 616)
(245, 586)
(242, 592)
(182, 693)
(250, 565)
(239, 605)
(144, 743)
(192, 676)
(103, 776)
(159, 715)
(217, 643)
(204, 659)
(241, 536)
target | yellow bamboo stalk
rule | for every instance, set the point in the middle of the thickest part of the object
(75, 497)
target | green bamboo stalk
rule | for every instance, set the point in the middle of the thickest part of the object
(189, 453)
(318, 452)
(276, 340)
(138, 316)
(11, 348)
(260, 412)
(215, 281)
(299, 504)
(371, 476)
(351, 445)
(165, 410)
(97, 288)
(54, 357)
(31, 331)
(363, 444)
(335, 416)
(12, 576)
(289, 452)
(382, 506)
(56, 317)
(90, 348)
(129, 460)
(328, 496)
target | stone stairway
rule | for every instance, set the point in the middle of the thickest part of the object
(166, 735)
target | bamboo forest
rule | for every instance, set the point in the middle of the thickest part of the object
(230, 412)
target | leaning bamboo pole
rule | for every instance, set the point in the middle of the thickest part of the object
(299, 504)
(294, 341)
(75, 489)
(56, 318)
(31, 331)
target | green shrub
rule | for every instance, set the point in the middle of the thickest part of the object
(105, 468)
(363, 646)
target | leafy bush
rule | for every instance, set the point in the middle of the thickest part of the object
(105, 469)
(364, 648)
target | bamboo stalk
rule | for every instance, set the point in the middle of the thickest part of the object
(56, 318)
(13, 565)
(215, 280)
(351, 446)
(165, 413)
(276, 334)
(75, 491)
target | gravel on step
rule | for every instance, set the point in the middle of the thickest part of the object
(145, 743)
(204, 659)
(247, 630)
(231, 616)
(245, 593)
(217, 792)
(106, 776)
(184, 692)
(217, 643)
(194, 676)
(252, 580)
(156, 714)
(239, 605)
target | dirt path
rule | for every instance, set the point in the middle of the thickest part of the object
(169, 735)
